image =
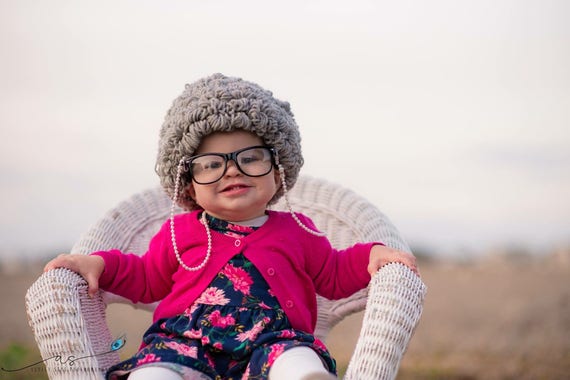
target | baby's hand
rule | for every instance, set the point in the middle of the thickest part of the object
(381, 255)
(89, 267)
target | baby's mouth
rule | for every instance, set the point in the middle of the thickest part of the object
(234, 187)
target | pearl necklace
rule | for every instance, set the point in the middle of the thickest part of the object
(173, 235)
(285, 194)
(205, 222)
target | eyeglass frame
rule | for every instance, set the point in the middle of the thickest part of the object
(233, 157)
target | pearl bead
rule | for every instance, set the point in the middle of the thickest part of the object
(173, 234)
(295, 217)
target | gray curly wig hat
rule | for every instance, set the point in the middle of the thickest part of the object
(223, 104)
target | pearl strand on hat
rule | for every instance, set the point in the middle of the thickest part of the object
(284, 183)
(173, 235)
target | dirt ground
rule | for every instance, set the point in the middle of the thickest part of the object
(498, 318)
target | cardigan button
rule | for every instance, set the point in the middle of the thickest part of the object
(289, 304)
(271, 271)
(237, 243)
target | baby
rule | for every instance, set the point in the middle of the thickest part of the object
(237, 283)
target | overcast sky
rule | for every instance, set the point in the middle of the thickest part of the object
(452, 116)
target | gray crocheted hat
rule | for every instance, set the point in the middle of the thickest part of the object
(223, 104)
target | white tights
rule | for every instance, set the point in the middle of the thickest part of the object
(148, 373)
(161, 373)
(299, 363)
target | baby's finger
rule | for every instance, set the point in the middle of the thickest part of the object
(410, 263)
(55, 263)
(92, 285)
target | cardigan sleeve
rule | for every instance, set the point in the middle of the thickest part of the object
(146, 278)
(337, 273)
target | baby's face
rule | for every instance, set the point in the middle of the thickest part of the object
(235, 196)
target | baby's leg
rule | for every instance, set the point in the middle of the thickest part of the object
(299, 363)
(161, 373)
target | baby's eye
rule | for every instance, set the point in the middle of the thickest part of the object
(207, 164)
(249, 159)
(251, 156)
(212, 165)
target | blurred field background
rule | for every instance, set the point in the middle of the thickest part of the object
(451, 116)
(503, 316)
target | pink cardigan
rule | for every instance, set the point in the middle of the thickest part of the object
(295, 264)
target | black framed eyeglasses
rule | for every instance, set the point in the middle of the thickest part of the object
(253, 161)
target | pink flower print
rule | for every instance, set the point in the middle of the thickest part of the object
(276, 350)
(218, 320)
(150, 358)
(205, 340)
(218, 346)
(193, 334)
(263, 305)
(239, 278)
(213, 296)
(287, 334)
(189, 310)
(210, 359)
(183, 349)
(318, 343)
(252, 334)
(238, 228)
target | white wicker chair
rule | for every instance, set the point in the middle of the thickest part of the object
(69, 324)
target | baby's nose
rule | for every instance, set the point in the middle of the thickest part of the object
(232, 168)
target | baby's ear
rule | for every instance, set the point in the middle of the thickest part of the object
(190, 192)
(277, 179)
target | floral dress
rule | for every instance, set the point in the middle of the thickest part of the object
(234, 330)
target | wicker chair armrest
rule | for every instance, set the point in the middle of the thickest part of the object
(393, 310)
(69, 326)
(111, 298)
